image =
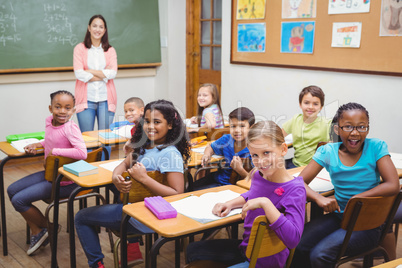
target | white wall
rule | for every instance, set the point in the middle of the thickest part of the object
(273, 92)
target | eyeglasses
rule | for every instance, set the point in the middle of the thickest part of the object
(350, 128)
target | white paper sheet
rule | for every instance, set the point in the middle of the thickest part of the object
(111, 165)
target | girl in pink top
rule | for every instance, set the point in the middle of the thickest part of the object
(63, 138)
(95, 67)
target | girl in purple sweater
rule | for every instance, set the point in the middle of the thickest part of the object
(273, 193)
(63, 138)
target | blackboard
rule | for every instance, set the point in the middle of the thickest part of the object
(40, 35)
(376, 55)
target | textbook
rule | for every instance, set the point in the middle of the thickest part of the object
(199, 208)
(108, 135)
(81, 168)
(20, 144)
(321, 183)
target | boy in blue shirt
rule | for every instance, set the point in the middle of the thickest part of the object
(232, 146)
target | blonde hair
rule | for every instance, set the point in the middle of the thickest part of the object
(265, 130)
(268, 130)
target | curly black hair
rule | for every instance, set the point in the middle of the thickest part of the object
(346, 107)
(177, 136)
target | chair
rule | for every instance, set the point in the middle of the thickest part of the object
(359, 215)
(51, 171)
(260, 235)
(137, 193)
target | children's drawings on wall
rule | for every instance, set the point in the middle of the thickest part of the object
(391, 18)
(251, 37)
(297, 37)
(348, 6)
(250, 9)
(299, 9)
(346, 34)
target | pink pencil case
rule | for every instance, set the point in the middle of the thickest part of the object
(160, 207)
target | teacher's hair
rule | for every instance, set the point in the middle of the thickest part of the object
(105, 38)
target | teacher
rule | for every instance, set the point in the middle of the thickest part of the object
(95, 67)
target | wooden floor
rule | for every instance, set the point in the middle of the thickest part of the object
(17, 247)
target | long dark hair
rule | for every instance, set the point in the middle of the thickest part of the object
(105, 38)
(346, 107)
(177, 136)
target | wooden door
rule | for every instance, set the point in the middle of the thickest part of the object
(204, 36)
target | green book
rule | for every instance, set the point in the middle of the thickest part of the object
(81, 168)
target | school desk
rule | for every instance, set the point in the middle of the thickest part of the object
(94, 181)
(174, 228)
(390, 264)
(13, 153)
(105, 142)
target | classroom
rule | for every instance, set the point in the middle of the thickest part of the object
(271, 92)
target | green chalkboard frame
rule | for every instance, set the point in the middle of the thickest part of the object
(40, 35)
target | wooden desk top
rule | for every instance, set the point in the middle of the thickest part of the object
(10, 151)
(95, 134)
(390, 264)
(102, 178)
(181, 225)
(195, 159)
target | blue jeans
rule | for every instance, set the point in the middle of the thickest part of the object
(322, 239)
(86, 119)
(31, 188)
(109, 216)
(221, 250)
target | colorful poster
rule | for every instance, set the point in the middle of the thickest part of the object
(299, 9)
(346, 34)
(250, 9)
(348, 6)
(297, 37)
(391, 18)
(251, 37)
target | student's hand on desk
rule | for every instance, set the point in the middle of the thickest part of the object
(221, 209)
(236, 164)
(30, 149)
(121, 184)
(194, 120)
(205, 160)
(328, 204)
(252, 204)
(138, 172)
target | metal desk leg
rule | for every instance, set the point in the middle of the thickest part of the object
(123, 240)
(3, 207)
(155, 249)
(71, 224)
(56, 199)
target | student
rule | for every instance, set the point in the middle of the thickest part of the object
(160, 143)
(307, 129)
(209, 108)
(232, 146)
(273, 193)
(133, 111)
(95, 67)
(62, 138)
(355, 165)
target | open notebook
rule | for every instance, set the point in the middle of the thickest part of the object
(321, 183)
(199, 208)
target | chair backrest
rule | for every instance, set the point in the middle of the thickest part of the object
(365, 213)
(213, 134)
(234, 176)
(138, 192)
(54, 162)
(262, 235)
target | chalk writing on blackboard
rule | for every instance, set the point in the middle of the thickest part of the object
(57, 24)
(8, 25)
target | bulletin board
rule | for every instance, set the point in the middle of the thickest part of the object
(376, 55)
